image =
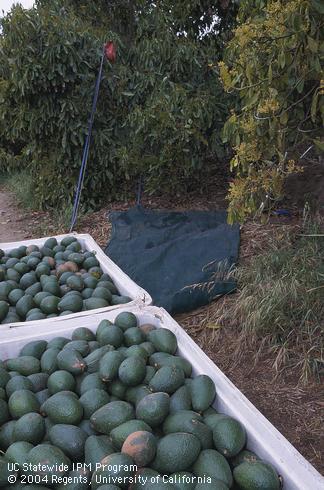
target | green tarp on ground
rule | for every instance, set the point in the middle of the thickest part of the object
(181, 259)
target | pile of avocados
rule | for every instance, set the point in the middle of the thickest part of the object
(118, 409)
(53, 280)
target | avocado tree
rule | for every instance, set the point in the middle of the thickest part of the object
(275, 64)
(160, 109)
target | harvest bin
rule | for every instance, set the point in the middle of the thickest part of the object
(263, 437)
(122, 281)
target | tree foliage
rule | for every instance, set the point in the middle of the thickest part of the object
(274, 62)
(177, 107)
(48, 68)
(160, 110)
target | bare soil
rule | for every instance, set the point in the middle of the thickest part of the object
(10, 228)
(306, 186)
(16, 223)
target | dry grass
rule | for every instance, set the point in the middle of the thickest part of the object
(279, 304)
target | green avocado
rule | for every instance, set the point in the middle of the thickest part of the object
(176, 452)
(252, 475)
(153, 408)
(70, 439)
(22, 402)
(30, 428)
(63, 408)
(92, 400)
(24, 365)
(49, 461)
(213, 464)
(106, 418)
(167, 379)
(96, 448)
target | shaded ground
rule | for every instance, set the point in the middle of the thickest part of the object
(11, 228)
(296, 410)
(16, 223)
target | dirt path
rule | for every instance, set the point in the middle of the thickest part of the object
(15, 223)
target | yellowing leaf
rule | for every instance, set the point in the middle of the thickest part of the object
(215, 326)
(284, 118)
(249, 72)
(282, 59)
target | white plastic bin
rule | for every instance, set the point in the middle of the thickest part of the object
(263, 437)
(123, 282)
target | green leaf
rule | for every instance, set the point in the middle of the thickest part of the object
(300, 86)
(225, 133)
(249, 72)
(319, 144)
(318, 5)
(316, 64)
(251, 100)
(296, 21)
(314, 106)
